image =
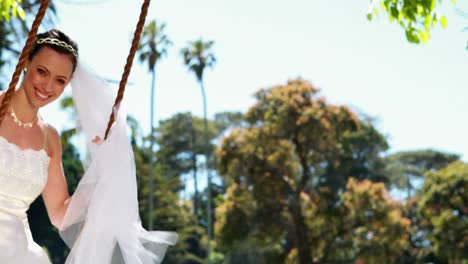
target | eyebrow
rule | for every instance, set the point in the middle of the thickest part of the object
(47, 70)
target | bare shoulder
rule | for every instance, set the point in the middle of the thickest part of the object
(54, 144)
(52, 132)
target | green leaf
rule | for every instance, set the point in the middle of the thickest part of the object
(369, 16)
(384, 7)
(419, 9)
(443, 22)
(424, 36)
(21, 13)
(376, 12)
(13, 10)
(394, 12)
(412, 37)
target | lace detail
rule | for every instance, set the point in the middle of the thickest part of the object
(23, 172)
(23, 175)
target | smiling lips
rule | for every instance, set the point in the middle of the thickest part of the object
(42, 97)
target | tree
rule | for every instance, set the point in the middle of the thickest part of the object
(153, 46)
(227, 120)
(180, 140)
(360, 156)
(443, 206)
(375, 227)
(406, 170)
(403, 167)
(238, 232)
(171, 212)
(291, 135)
(199, 56)
(414, 16)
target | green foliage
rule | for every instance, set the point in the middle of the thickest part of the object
(9, 8)
(240, 241)
(226, 120)
(296, 149)
(154, 44)
(359, 156)
(170, 213)
(375, 226)
(403, 167)
(181, 141)
(295, 169)
(444, 206)
(180, 138)
(365, 224)
(198, 56)
(280, 156)
(416, 17)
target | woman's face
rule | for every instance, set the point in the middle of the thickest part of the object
(47, 75)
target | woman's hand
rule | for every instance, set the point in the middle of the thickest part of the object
(97, 140)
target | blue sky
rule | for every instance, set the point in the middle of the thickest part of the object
(418, 93)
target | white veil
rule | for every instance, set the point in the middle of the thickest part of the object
(102, 223)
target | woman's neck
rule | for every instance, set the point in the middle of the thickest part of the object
(22, 107)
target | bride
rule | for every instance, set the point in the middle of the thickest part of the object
(96, 230)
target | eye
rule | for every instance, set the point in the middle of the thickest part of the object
(41, 71)
(61, 81)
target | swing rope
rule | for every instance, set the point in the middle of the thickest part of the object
(128, 65)
(23, 57)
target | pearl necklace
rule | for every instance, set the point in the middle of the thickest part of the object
(18, 122)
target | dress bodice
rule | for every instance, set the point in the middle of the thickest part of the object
(23, 175)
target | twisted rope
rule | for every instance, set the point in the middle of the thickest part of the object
(128, 65)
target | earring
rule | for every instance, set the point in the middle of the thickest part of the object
(25, 70)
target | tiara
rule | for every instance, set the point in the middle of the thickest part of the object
(56, 42)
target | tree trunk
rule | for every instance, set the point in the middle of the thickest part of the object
(408, 182)
(208, 204)
(193, 144)
(151, 161)
(301, 235)
(195, 183)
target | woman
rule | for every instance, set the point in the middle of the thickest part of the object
(30, 150)
(96, 230)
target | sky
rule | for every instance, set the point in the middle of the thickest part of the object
(417, 93)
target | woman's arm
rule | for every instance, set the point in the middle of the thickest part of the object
(55, 193)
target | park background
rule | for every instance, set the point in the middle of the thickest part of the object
(387, 180)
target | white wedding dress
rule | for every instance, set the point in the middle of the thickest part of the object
(23, 175)
(102, 223)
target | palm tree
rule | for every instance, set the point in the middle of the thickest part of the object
(153, 46)
(198, 56)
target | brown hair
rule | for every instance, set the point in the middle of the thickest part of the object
(60, 36)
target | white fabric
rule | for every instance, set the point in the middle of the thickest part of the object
(103, 213)
(23, 175)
